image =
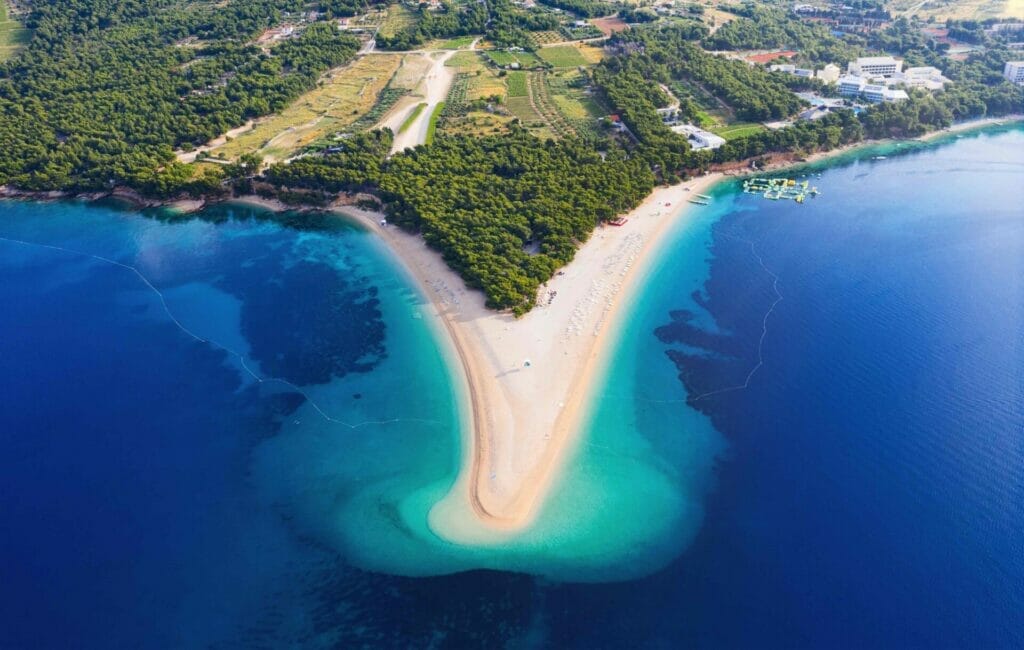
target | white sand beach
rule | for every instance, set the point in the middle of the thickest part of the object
(527, 380)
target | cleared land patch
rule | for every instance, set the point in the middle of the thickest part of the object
(412, 71)
(339, 100)
(610, 25)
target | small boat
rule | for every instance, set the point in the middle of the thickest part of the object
(878, 158)
(696, 202)
(704, 196)
(619, 221)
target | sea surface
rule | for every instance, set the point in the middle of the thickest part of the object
(228, 430)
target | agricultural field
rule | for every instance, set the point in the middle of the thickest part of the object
(590, 53)
(541, 39)
(571, 96)
(540, 93)
(502, 58)
(398, 19)
(574, 33)
(737, 130)
(481, 81)
(341, 98)
(12, 34)
(516, 83)
(529, 118)
(486, 84)
(465, 60)
(463, 116)
(562, 56)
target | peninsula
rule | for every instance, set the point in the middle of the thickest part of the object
(527, 380)
(527, 157)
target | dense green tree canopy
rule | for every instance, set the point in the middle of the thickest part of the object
(105, 91)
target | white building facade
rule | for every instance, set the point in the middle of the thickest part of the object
(1014, 72)
(874, 66)
(851, 85)
(698, 137)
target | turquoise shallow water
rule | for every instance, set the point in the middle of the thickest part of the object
(863, 481)
(629, 500)
(272, 383)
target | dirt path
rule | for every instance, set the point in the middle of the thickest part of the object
(190, 156)
(433, 89)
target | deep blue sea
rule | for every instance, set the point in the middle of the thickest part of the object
(861, 355)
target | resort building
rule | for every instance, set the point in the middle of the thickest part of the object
(792, 69)
(922, 77)
(699, 138)
(878, 94)
(874, 66)
(1014, 72)
(851, 85)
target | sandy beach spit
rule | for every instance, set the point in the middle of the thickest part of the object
(528, 380)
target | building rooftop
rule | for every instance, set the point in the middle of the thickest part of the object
(874, 60)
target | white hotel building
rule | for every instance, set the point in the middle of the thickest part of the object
(874, 66)
(1014, 72)
(852, 86)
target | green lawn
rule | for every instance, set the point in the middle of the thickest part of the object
(738, 130)
(412, 117)
(432, 125)
(457, 43)
(562, 56)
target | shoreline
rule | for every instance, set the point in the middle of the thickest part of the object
(189, 205)
(529, 381)
(512, 460)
